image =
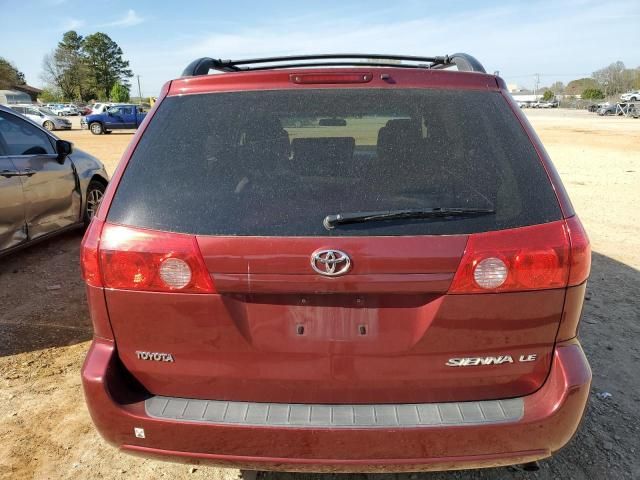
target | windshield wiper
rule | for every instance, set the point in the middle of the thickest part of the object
(330, 221)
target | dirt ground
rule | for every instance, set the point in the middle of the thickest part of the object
(45, 430)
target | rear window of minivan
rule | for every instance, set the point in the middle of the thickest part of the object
(276, 163)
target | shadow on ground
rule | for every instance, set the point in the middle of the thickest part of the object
(42, 299)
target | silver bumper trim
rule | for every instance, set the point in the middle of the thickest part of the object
(335, 416)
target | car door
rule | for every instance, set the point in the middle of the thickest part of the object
(129, 117)
(12, 224)
(114, 120)
(50, 188)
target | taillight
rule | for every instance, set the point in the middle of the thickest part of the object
(137, 259)
(527, 258)
(580, 252)
(310, 78)
(89, 260)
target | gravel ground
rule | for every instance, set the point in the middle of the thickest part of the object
(45, 430)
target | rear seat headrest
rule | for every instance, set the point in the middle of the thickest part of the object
(399, 136)
(338, 148)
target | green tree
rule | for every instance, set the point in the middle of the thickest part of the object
(548, 96)
(576, 87)
(66, 68)
(592, 94)
(49, 95)
(119, 93)
(105, 60)
(9, 75)
(72, 52)
(612, 78)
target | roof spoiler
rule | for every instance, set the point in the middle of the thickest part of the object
(463, 61)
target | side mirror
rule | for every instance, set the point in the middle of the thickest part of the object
(63, 149)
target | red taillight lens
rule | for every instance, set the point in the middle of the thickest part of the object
(528, 258)
(89, 261)
(137, 259)
(580, 252)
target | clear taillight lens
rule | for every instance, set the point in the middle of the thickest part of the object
(175, 273)
(490, 273)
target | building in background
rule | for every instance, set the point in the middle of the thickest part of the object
(33, 92)
(11, 97)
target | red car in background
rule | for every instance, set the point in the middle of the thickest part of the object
(337, 263)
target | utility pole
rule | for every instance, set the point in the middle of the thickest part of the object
(536, 84)
(139, 91)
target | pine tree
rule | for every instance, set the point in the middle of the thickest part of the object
(9, 75)
(106, 63)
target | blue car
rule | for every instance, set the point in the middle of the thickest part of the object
(118, 117)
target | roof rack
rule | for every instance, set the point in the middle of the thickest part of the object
(463, 61)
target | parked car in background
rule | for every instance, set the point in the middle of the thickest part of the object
(70, 110)
(56, 108)
(100, 107)
(337, 269)
(43, 117)
(45, 186)
(549, 104)
(597, 106)
(117, 117)
(632, 96)
(608, 109)
(63, 109)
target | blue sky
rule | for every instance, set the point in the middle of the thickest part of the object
(559, 40)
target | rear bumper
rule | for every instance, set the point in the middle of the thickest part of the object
(550, 418)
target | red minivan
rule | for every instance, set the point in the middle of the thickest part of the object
(348, 263)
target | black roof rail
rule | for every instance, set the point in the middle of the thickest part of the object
(463, 61)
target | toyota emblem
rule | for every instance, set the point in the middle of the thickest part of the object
(330, 262)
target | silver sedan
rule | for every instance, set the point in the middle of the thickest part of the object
(43, 117)
(45, 186)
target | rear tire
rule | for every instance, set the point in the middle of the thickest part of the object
(49, 125)
(95, 192)
(96, 128)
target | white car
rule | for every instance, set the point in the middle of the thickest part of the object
(632, 96)
(100, 107)
(56, 108)
(70, 110)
